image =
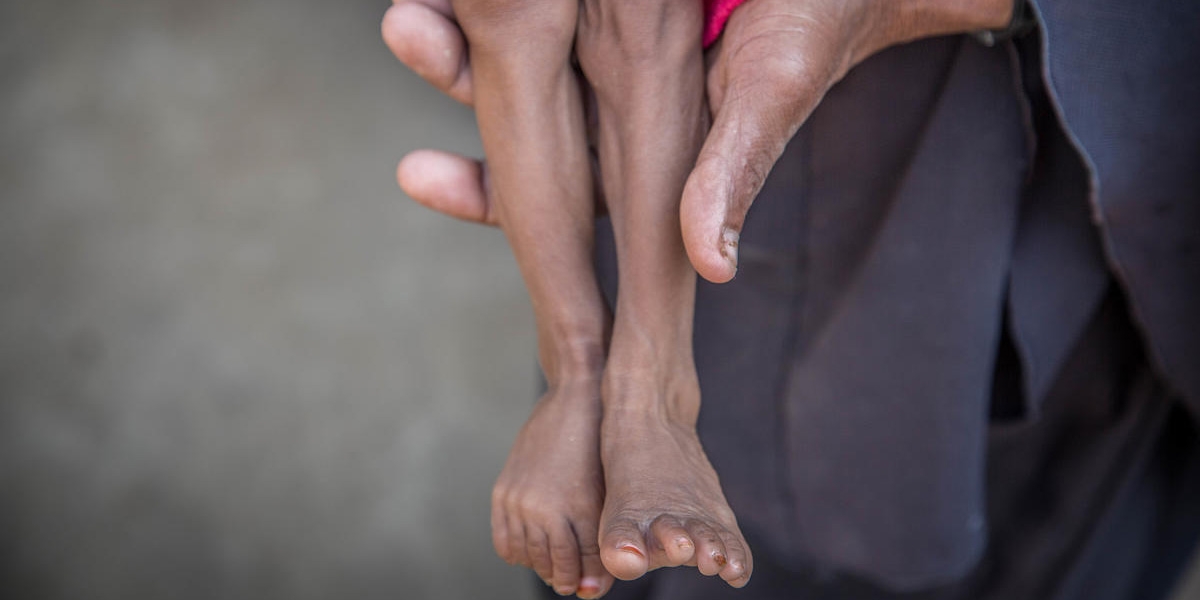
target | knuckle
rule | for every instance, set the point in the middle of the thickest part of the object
(785, 71)
(535, 508)
(518, 502)
(542, 514)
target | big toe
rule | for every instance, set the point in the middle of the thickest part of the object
(623, 551)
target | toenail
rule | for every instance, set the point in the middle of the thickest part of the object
(564, 590)
(589, 587)
(633, 549)
(682, 542)
(719, 559)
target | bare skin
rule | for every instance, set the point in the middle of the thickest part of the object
(555, 495)
(663, 505)
(771, 68)
(547, 499)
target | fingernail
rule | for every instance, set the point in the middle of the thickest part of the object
(729, 246)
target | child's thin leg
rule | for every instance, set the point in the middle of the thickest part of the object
(664, 504)
(547, 501)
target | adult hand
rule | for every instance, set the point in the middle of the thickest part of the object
(425, 36)
(773, 65)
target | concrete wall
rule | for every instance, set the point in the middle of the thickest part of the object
(235, 362)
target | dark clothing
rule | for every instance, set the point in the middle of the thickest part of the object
(1125, 78)
(961, 349)
(1096, 500)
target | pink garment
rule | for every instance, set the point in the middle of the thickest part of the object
(716, 12)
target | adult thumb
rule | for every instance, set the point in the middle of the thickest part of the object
(749, 133)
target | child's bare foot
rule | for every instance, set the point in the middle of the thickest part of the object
(546, 503)
(664, 505)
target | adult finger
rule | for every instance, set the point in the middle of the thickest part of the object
(448, 183)
(750, 131)
(424, 36)
(771, 69)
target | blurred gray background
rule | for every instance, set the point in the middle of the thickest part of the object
(235, 362)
